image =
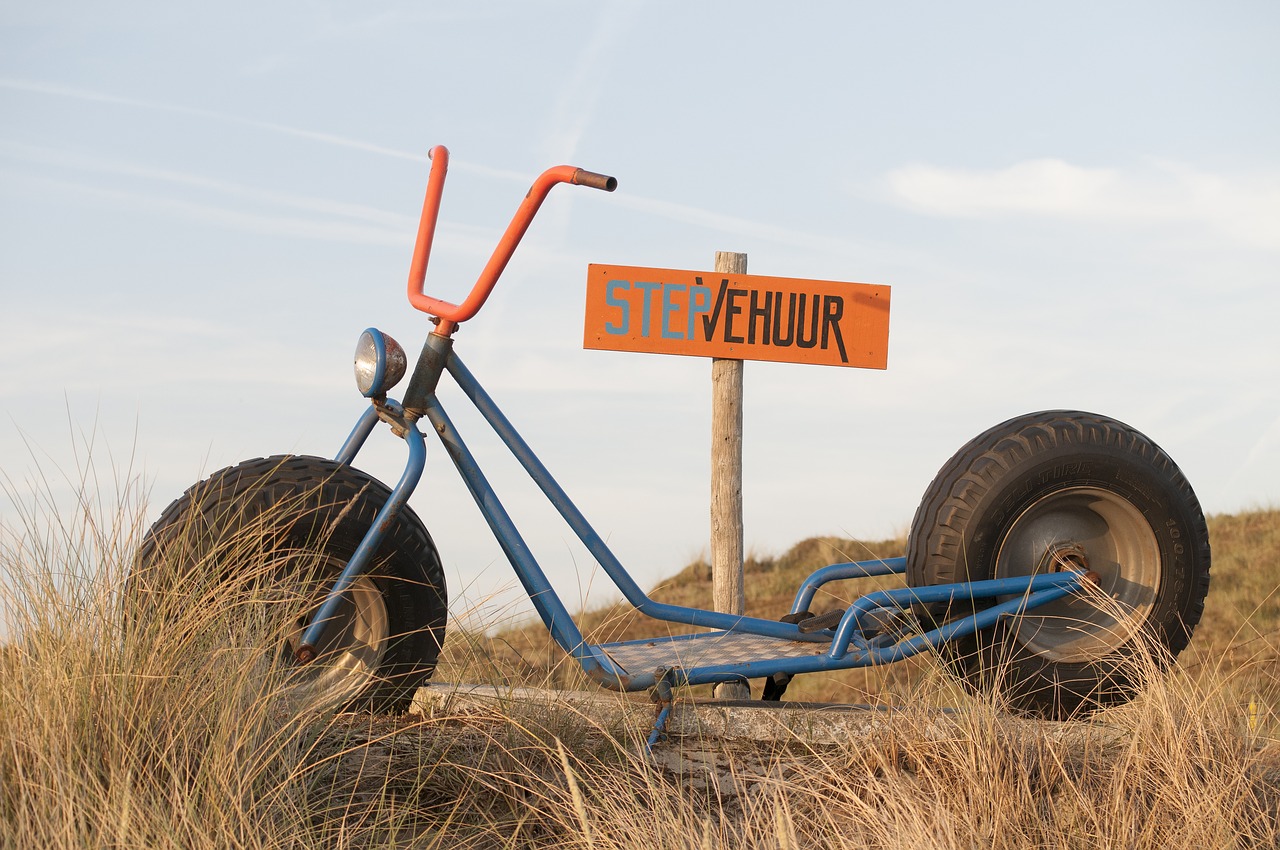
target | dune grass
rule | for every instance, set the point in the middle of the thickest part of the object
(119, 733)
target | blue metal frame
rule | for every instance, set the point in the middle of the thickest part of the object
(851, 644)
(383, 521)
(846, 652)
(838, 572)
(594, 543)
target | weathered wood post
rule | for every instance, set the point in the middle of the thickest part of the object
(728, 591)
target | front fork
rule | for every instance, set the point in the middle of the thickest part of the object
(403, 423)
(373, 537)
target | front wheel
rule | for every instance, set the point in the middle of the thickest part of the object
(262, 542)
(1065, 490)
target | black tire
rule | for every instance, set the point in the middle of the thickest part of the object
(279, 530)
(1065, 488)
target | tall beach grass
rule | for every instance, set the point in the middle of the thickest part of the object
(126, 733)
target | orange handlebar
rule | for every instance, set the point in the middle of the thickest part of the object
(452, 314)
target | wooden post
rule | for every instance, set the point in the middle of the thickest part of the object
(729, 595)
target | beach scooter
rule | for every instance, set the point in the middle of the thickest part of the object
(1047, 555)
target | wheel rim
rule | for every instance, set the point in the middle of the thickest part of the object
(349, 653)
(1084, 526)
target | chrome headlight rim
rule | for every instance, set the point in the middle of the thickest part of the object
(380, 363)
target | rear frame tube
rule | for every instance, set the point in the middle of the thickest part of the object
(591, 539)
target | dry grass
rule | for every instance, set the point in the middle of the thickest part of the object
(144, 737)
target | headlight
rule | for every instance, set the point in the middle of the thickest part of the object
(380, 363)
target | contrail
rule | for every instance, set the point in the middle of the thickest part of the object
(661, 209)
(56, 90)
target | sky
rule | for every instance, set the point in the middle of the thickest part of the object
(202, 205)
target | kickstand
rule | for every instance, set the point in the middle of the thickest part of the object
(663, 697)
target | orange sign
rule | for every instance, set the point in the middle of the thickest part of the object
(737, 316)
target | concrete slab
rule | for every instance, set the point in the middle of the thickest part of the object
(748, 720)
(714, 745)
(603, 707)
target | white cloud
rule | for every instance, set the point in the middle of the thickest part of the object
(1044, 186)
(1245, 207)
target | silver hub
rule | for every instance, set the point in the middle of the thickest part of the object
(1093, 529)
(349, 654)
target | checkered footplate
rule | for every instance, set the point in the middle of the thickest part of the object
(703, 650)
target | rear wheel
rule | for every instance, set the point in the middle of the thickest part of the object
(1062, 490)
(262, 542)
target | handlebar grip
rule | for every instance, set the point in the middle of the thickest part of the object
(594, 181)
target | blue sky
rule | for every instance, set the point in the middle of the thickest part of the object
(204, 204)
